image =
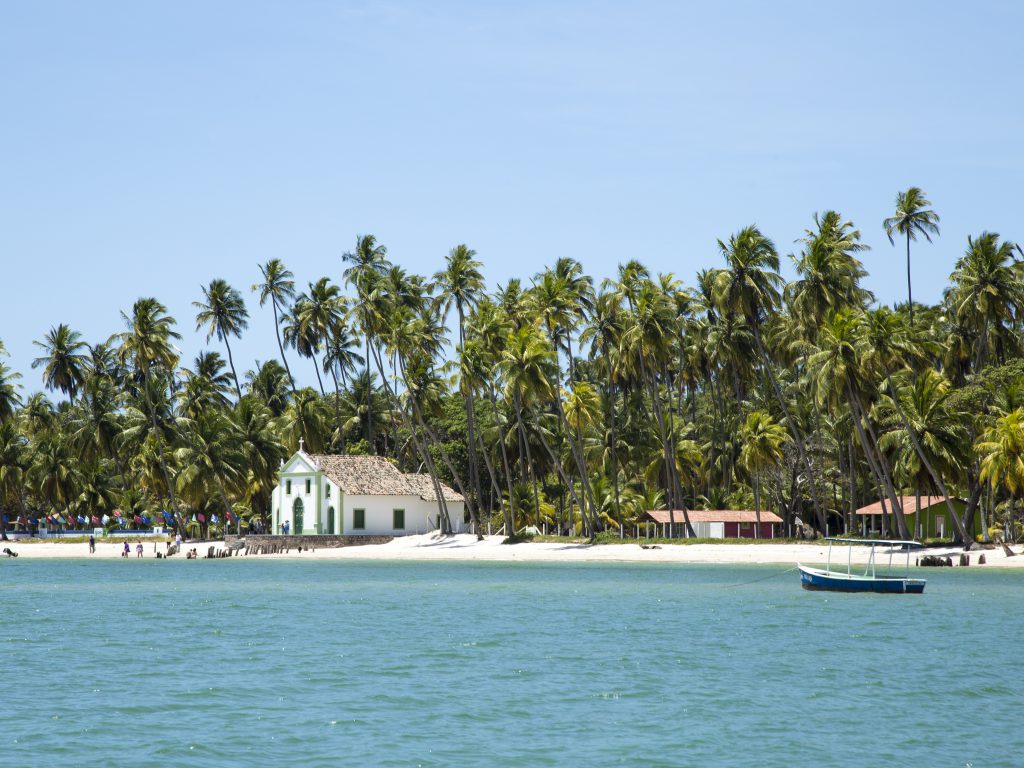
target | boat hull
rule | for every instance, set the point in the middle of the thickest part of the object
(817, 579)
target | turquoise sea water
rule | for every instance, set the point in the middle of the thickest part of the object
(264, 662)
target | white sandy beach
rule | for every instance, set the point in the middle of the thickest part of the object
(465, 547)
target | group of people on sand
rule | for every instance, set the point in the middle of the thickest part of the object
(191, 554)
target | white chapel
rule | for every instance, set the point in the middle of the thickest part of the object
(357, 495)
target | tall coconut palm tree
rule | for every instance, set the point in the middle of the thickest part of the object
(829, 273)
(279, 288)
(749, 286)
(460, 284)
(223, 312)
(64, 362)
(527, 365)
(147, 350)
(368, 264)
(912, 217)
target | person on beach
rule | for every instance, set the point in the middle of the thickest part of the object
(177, 542)
(92, 545)
(138, 549)
(126, 550)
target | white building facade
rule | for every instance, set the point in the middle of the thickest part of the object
(357, 496)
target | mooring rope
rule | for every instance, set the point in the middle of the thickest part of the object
(762, 578)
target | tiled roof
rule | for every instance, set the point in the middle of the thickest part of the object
(909, 504)
(425, 489)
(715, 516)
(376, 476)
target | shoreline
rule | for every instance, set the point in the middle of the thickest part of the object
(465, 547)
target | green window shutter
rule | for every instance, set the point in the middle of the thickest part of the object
(288, 487)
(359, 519)
(398, 517)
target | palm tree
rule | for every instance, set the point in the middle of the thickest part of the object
(913, 217)
(147, 350)
(14, 463)
(762, 439)
(838, 376)
(460, 284)
(65, 365)
(829, 273)
(885, 346)
(749, 286)
(527, 365)
(279, 288)
(211, 458)
(262, 450)
(269, 384)
(1001, 449)
(368, 264)
(206, 386)
(9, 398)
(223, 311)
(922, 427)
(986, 295)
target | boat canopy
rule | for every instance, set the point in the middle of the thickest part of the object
(877, 542)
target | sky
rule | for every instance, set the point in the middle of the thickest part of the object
(147, 148)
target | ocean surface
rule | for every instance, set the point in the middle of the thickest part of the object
(261, 662)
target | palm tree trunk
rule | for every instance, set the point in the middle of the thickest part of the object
(615, 454)
(369, 398)
(910, 297)
(319, 381)
(529, 458)
(474, 469)
(280, 346)
(337, 410)
(509, 513)
(231, 362)
(575, 444)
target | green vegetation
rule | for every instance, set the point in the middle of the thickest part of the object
(560, 402)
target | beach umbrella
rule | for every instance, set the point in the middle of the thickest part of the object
(213, 519)
(95, 520)
(202, 517)
(106, 519)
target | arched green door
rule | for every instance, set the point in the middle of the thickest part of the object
(297, 517)
(330, 520)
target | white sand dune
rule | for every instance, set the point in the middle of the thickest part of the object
(466, 547)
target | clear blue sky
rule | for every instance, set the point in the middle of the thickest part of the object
(146, 148)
